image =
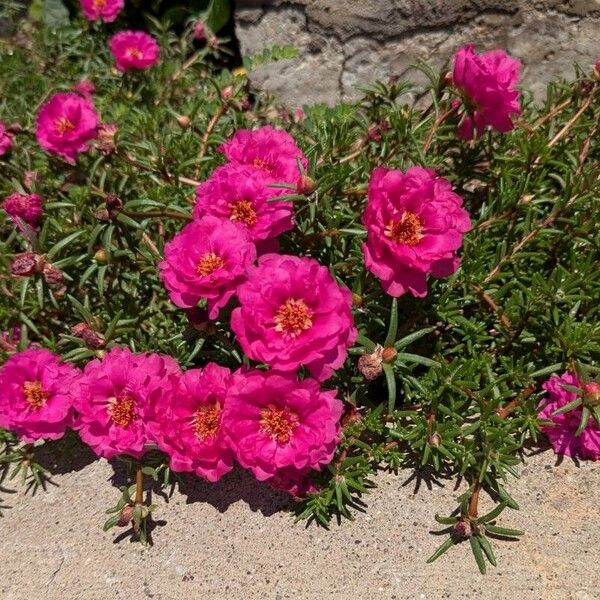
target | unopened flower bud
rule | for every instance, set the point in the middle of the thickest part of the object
(183, 121)
(463, 529)
(306, 185)
(15, 128)
(227, 92)
(435, 440)
(30, 178)
(53, 276)
(92, 338)
(245, 103)
(591, 393)
(389, 354)
(357, 300)
(113, 206)
(370, 365)
(199, 31)
(101, 257)
(26, 264)
(125, 516)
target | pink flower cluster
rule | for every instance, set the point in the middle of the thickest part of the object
(27, 207)
(415, 225)
(488, 85)
(561, 432)
(276, 426)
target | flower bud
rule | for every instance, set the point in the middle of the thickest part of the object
(389, 354)
(370, 364)
(113, 206)
(183, 121)
(463, 529)
(591, 393)
(306, 185)
(435, 440)
(30, 178)
(125, 516)
(101, 257)
(357, 300)
(53, 276)
(199, 32)
(92, 338)
(26, 264)
(245, 103)
(227, 92)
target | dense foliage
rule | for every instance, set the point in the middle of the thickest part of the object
(460, 396)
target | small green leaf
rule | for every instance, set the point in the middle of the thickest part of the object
(487, 548)
(505, 531)
(393, 326)
(567, 407)
(390, 378)
(415, 358)
(443, 548)
(585, 417)
(477, 553)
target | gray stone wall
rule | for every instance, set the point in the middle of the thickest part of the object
(343, 43)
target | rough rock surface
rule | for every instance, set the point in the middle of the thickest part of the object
(345, 43)
(236, 540)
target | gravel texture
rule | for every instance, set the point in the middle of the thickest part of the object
(236, 539)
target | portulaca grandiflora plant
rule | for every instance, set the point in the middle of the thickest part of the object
(194, 279)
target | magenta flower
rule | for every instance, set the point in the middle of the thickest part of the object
(275, 423)
(207, 260)
(562, 431)
(35, 399)
(24, 206)
(191, 428)
(415, 224)
(273, 152)
(66, 124)
(134, 50)
(488, 83)
(105, 10)
(239, 193)
(294, 313)
(6, 140)
(116, 400)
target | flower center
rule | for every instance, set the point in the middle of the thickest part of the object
(134, 53)
(278, 423)
(243, 211)
(34, 394)
(122, 410)
(408, 230)
(259, 163)
(62, 125)
(98, 4)
(207, 421)
(209, 263)
(293, 317)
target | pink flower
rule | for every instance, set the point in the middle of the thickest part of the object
(85, 88)
(134, 50)
(66, 124)
(6, 140)
(415, 224)
(35, 400)
(9, 341)
(191, 428)
(488, 82)
(562, 432)
(207, 259)
(24, 206)
(276, 423)
(199, 31)
(273, 152)
(239, 193)
(106, 10)
(116, 400)
(294, 313)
